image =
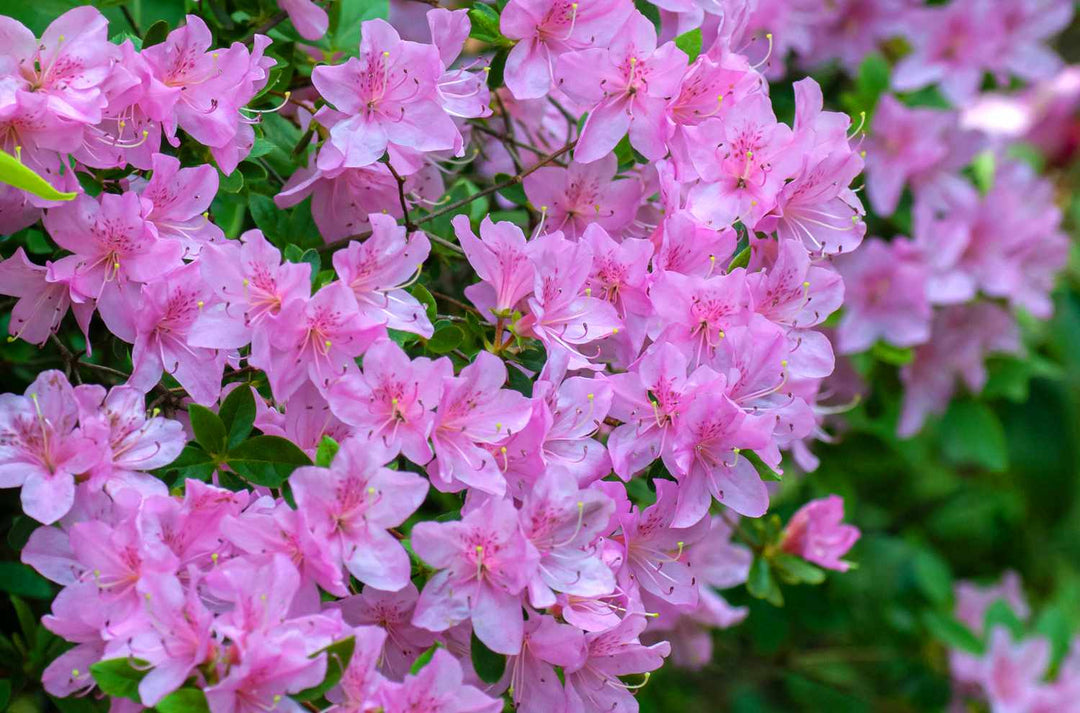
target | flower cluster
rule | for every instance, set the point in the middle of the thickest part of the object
(1009, 670)
(546, 467)
(955, 43)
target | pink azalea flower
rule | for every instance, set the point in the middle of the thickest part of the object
(392, 612)
(168, 310)
(575, 410)
(66, 67)
(378, 269)
(318, 339)
(595, 684)
(392, 400)
(268, 528)
(461, 93)
(437, 688)
(353, 504)
(306, 420)
(180, 198)
(1029, 26)
(546, 29)
(310, 20)
(561, 314)
(115, 249)
(709, 464)
(624, 87)
(252, 286)
(563, 523)
(475, 411)
(360, 682)
(743, 160)
(580, 195)
(534, 687)
(41, 304)
(697, 310)
(904, 145)
(955, 45)
(816, 534)
(343, 199)
(649, 400)
(502, 261)
(885, 286)
(41, 449)
(384, 98)
(1012, 674)
(78, 615)
(960, 339)
(177, 640)
(655, 554)
(132, 441)
(484, 564)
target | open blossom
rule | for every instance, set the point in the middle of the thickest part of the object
(170, 308)
(885, 286)
(392, 612)
(41, 447)
(437, 688)
(391, 401)
(180, 198)
(353, 504)
(378, 269)
(41, 304)
(817, 534)
(595, 684)
(484, 563)
(549, 28)
(385, 98)
(502, 261)
(580, 195)
(474, 411)
(625, 87)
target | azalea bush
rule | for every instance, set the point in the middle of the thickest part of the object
(542, 355)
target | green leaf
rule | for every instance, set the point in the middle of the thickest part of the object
(488, 664)
(21, 529)
(17, 578)
(1053, 623)
(796, 570)
(517, 381)
(27, 621)
(690, 43)
(183, 700)
(485, 25)
(266, 215)
(424, 659)
(741, 259)
(14, 173)
(764, 471)
(872, 80)
(210, 432)
(5, 694)
(193, 462)
(515, 192)
(933, 576)
(761, 584)
(897, 356)
(155, 34)
(447, 338)
(972, 434)
(266, 460)
(350, 14)
(237, 412)
(120, 677)
(231, 183)
(1000, 614)
(338, 655)
(328, 448)
(949, 631)
(423, 296)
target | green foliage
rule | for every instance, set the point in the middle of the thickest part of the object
(690, 43)
(489, 665)
(338, 655)
(14, 173)
(120, 678)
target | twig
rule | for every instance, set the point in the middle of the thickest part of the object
(409, 226)
(506, 139)
(515, 179)
(510, 144)
(453, 301)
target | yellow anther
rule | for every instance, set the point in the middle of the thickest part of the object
(246, 282)
(327, 343)
(588, 292)
(200, 303)
(722, 335)
(394, 401)
(371, 490)
(215, 557)
(806, 284)
(386, 53)
(784, 363)
(590, 397)
(615, 330)
(75, 673)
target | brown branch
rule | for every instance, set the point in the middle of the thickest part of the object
(409, 226)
